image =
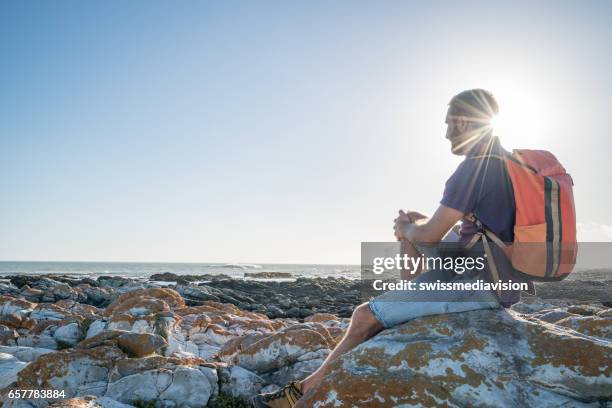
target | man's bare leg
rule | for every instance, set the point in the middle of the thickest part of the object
(363, 326)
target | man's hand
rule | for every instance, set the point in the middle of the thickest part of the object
(416, 227)
(404, 219)
(400, 223)
(416, 216)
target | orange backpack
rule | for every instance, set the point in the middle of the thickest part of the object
(544, 247)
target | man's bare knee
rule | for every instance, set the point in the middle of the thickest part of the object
(364, 323)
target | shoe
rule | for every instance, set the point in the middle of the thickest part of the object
(286, 397)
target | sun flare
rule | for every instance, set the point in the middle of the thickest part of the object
(522, 121)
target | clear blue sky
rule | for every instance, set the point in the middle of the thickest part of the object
(274, 131)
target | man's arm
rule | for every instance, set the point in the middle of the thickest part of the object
(429, 230)
(413, 227)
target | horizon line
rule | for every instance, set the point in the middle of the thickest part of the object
(182, 262)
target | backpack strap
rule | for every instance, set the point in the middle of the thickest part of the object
(491, 261)
(484, 231)
(484, 234)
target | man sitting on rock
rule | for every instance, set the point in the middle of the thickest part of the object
(479, 186)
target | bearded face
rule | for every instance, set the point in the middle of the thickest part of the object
(462, 133)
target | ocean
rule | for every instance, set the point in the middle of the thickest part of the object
(235, 270)
(142, 269)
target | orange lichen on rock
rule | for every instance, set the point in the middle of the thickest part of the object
(9, 303)
(146, 301)
(237, 344)
(66, 363)
(80, 308)
(461, 355)
(588, 358)
(130, 366)
(302, 338)
(16, 321)
(281, 349)
(346, 390)
(469, 342)
(321, 317)
(598, 325)
(140, 344)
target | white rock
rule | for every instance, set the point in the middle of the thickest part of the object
(12, 307)
(144, 386)
(206, 351)
(190, 388)
(178, 344)
(211, 337)
(46, 314)
(18, 403)
(240, 383)
(478, 359)
(78, 372)
(213, 378)
(45, 340)
(139, 326)
(9, 367)
(185, 387)
(95, 327)
(293, 372)
(25, 354)
(69, 334)
(142, 326)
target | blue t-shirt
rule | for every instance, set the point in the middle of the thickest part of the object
(481, 185)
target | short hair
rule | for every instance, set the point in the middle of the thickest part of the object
(477, 104)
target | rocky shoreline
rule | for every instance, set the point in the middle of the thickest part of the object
(194, 341)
